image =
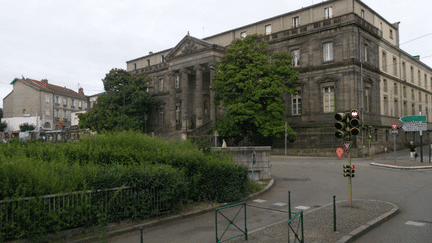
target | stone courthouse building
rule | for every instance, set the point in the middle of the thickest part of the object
(348, 57)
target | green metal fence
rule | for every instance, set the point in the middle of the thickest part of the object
(242, 205)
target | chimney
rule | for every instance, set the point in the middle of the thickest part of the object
(417, 57)
(151, 53)
(44, 81)
(81, 91)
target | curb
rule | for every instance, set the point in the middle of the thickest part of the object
(401, 167)
(355, 234)
(117, 232)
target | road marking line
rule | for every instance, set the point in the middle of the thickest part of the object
(414, 223)
(279, 204)
(302, 207)
(260, 201)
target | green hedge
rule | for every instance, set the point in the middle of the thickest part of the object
(178, 170)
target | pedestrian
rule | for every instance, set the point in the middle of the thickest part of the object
(413, 150)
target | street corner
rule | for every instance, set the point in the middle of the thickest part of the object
(381, 211)
(403, 165)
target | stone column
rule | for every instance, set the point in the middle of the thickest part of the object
(184, 97)
(172, 104)
(212, 95)
(199, 96)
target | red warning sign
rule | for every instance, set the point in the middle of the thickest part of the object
(394, 126)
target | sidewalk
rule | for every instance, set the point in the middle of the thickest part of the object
(351, 223)
(403, 160)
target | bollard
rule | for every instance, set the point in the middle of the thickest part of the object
(142, 235)
(289, 204)
(334, 213)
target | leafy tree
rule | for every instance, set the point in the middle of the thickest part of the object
(123, 90)
(249, 83)
(1, 113)
(26, 127)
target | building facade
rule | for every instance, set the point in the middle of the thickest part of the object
(348, 57)
(47, 102)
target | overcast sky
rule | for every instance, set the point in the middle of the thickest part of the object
(78, 42)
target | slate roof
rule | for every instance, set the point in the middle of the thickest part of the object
(45, 86)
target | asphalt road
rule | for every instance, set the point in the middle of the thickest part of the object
(313, 182)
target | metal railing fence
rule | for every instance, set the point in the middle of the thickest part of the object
(77, 209)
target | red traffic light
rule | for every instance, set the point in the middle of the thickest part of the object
(354, 113)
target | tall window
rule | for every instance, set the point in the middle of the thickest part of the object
(385, 85)
(366, 52)
(395, 89)
(161, 116)
(47, 98)
(394, 66)
(396, 107)
(425, 80)
(178, 114)
(403, 71)
(148, 62)
(296, 103)
(420, 108)
(296, 22)
(385, 106)
(380, 25)
(412, 94)
(296, 54)
(413, 109)
(367, 97)
(362, 13)
(405, 107)
(420, 99)
(328, 51)
(64, 102)
(47, 111)
(205, 107)
(177, 82)
(329, 101)
(404, 92)
(412, 74)
(384, 61)
(268, 29)
(328, 12)
(73, 103)
(162, 58)
(161, 83)
(418, 77)
(391, 34)
(57, 100)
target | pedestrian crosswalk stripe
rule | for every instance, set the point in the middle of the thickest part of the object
(414, 223)
(302, 207)
(260, 201)
(279, 204)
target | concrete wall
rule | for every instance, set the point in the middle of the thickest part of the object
(243, 155)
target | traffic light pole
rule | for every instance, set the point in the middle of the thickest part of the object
(350, 181)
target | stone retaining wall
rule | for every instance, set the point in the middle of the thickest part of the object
(243, 156)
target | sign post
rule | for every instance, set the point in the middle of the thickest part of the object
(286, 136)
(394, 132)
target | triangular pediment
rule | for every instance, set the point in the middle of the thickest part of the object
(190, 45)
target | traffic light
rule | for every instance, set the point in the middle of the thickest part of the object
(348, 170)
(341, 125)
(354, 122)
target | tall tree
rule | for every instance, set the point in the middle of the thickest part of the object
(249, 83)
(26, 127)
(124, 104)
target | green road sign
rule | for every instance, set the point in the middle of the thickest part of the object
(413, 119)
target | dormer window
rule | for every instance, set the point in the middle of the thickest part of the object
(296, 22)
(243, 34)
(148, 62)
